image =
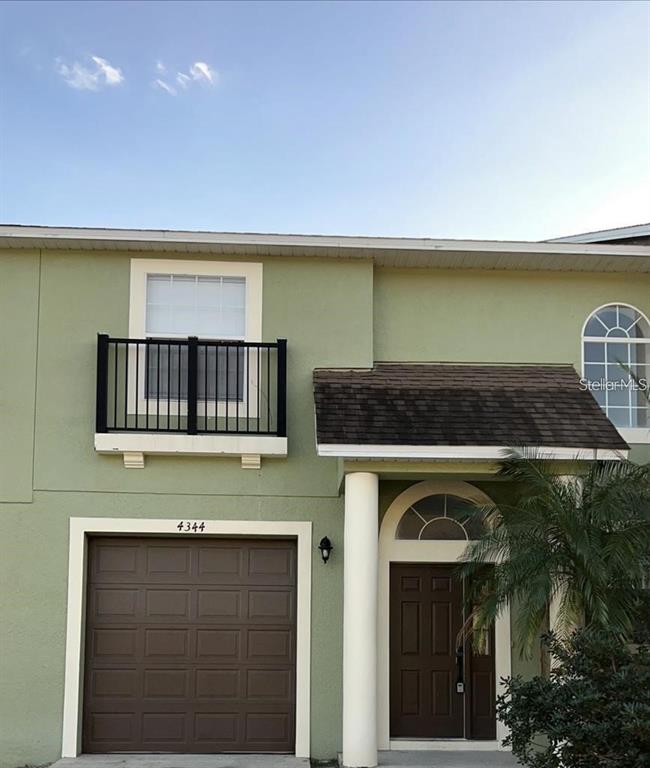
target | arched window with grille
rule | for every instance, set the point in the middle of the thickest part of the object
(440, 517)
(616, 363)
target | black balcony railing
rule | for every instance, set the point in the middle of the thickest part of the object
(192, 386)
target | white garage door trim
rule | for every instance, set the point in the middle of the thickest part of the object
(81, 526)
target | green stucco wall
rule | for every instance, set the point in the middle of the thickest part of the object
(19, 284)
(333, 313)
(492, 316)
(323, 308)
(33, 572)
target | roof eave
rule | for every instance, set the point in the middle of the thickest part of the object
(406, 253)
(464, 452)
(617, 233)
(142, 237)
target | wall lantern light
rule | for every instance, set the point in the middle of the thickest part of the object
(326, 548)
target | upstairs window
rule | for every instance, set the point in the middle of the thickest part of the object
(196, 305)
(616, 363)
(213, 300)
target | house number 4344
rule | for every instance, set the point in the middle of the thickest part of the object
(189, 526)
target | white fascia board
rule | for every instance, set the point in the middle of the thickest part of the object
(459, 452)
(194, 445)
(618, 233)
(342, 242)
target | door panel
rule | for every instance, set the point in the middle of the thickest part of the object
(426, 614)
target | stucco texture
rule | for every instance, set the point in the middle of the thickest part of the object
(33, 571)
(333, 313)
(495, 316)
(59, 301)
(19, 284)
(492, 316)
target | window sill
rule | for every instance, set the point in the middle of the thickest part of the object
(635, 435)
(134, 447)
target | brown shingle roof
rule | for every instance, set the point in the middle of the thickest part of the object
(454, 404)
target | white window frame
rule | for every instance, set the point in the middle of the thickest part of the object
(631, 435)
(251, 273)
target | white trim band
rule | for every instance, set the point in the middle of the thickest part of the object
(463, 452)
(190, 445)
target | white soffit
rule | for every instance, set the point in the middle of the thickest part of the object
(384, 251)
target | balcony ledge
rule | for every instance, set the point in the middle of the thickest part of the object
(134, 447)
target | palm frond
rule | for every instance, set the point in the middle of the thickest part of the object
(581, 543)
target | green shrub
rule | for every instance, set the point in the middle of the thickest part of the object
(593, 711)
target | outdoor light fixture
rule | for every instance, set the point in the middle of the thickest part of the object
(326, 548)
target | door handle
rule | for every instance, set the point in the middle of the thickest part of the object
(460, 669)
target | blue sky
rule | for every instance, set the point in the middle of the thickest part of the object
(513, 120)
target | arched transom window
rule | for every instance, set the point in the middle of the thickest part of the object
(616, 363)
(442, 517)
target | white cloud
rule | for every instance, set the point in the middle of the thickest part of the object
(183, 80)
(163, 86)
(201, 71)
(112, 75)
(160, 67)
(77, 76)
(97, 74)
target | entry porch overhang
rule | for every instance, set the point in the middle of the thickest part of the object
(440, 412)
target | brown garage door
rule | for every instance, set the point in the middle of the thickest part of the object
(190, 645)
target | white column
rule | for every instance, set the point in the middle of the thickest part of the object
(360, 620)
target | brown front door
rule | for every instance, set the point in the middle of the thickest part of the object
(190, 646)
(426, 615)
